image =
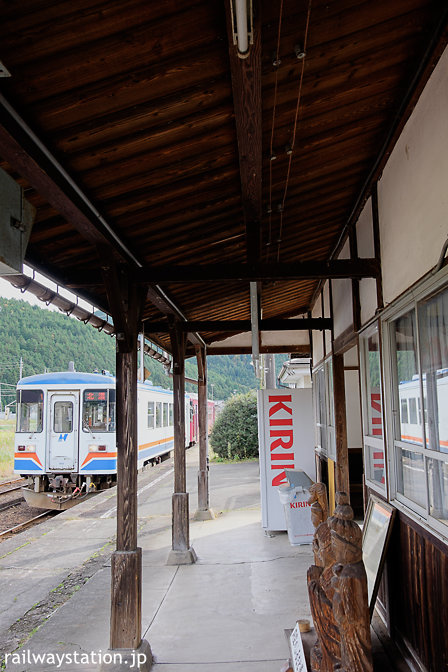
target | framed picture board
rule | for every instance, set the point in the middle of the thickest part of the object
(376, 534)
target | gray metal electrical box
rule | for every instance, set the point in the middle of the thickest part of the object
(16, 221)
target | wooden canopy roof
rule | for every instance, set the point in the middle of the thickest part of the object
(143, 139)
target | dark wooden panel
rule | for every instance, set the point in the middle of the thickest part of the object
(418, 570)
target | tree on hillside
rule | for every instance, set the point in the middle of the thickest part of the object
(235, 432)
(48, 340)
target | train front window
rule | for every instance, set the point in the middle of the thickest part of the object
(98, 411)
(30, 410)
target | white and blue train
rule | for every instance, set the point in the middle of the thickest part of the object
(65, 439)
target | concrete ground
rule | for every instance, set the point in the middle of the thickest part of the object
(226, 613)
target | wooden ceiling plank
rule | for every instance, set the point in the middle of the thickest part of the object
(22, 149)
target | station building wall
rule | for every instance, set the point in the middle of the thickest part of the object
(409, 472)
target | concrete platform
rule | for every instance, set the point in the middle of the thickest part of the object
(225, 613)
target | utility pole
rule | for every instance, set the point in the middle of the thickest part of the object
(21, 368)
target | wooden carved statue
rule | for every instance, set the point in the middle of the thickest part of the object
(319, 510)
(325, 655)
(350, 602)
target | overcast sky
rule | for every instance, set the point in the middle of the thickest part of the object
(10, 292)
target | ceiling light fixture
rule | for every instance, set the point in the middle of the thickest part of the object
(242, 26)
(4, 72)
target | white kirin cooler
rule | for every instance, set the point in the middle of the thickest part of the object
(286, 438)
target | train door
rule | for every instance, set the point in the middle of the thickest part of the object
(63, 431)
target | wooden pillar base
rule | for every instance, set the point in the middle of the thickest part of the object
(187, 557)
(203, 497)
(181, 523)
(124, 660)
(204, 514)
(181, 553)
(126, 600)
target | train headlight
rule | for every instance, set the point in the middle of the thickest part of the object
(95, 448)
(30, 448)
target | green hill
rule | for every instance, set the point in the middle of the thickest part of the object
(47, 341)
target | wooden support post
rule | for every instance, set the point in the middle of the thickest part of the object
(181, 553)
(356, 302)
(203, 511)
(342, 473)
(126, 594)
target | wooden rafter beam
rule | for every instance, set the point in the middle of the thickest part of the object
(246, 86)
(31, 159)
(305, 324)
(300, 270)
(216, 349)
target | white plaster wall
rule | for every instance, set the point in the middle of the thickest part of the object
(342, 298)
(243, 340)
(327, 334)
(286, 338)
(366, 250)
(364, 232)
(318, 338)
(351, 357)
(413, 190)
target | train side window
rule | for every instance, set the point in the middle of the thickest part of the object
(150, 415)
(404, 412)
(171, 421)
(165, 414)
(158, 414)
(412, 411)
(63, 417)
(30, 410)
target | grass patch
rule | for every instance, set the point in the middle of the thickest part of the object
(214, 457)
(7, 428)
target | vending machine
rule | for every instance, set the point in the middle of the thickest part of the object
(286, 440)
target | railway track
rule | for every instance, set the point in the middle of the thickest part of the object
(16, 484)
(9, 504)
(15, 514)
(4, 492)
(27, 523)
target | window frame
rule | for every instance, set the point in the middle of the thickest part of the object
(40, 403)
(371, 442)
(150, 414)
(431, 286)
(325, 427)
(111, 403)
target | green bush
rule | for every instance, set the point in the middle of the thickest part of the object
(235, 432)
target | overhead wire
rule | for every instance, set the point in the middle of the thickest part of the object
(274, 109)
(294, 134)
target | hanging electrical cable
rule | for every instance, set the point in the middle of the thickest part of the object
(276, 63)
(300, 55)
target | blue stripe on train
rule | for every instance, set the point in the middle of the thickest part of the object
(100, 465)
(152, 451)
(26, 465)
